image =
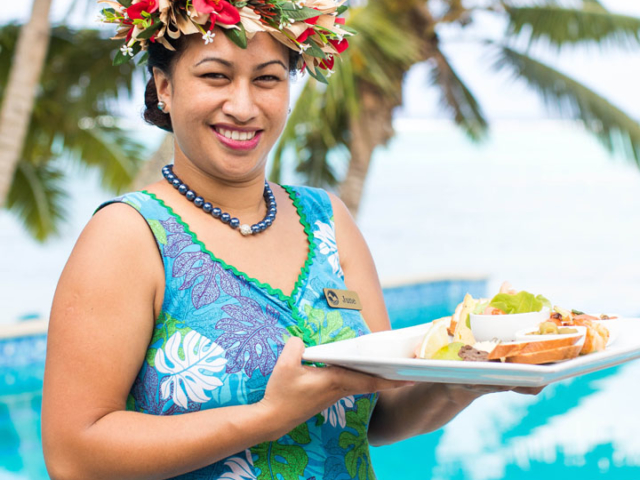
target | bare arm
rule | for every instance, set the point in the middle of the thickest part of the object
(101, 324)
(408, 411)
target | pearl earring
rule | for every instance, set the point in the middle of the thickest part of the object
(161, 106)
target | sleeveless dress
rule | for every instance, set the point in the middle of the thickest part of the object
(220, 332)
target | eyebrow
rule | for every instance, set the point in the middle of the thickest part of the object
(230, 64)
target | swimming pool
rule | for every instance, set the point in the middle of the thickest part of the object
(580, 428)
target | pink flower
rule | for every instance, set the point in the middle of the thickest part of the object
(135, 11)
(220, 10)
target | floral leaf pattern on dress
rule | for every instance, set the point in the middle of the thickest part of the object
(326, 326)
(241, 467)
(190, 377)
(199, 269)
(248, 335)
(147, 397)
(177, 240)
(193, 266)
(158, 231)
(278, 461)
(357, 459)
(325, 233)
(166, 325)
(336, 413)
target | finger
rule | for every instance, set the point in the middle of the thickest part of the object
(528, 390)
(292, 352)
(353, 382)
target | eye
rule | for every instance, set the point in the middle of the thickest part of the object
(268, 78)
(214, 76)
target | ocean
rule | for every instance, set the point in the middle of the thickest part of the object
(540, 204)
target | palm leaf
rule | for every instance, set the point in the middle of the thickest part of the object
(36, 198)
(617, 131)
(560, 26)
(317, 132)
(71, 120)
(457, 98)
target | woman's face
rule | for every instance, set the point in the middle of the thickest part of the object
(228, 105)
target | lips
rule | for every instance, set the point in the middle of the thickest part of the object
(237, 138)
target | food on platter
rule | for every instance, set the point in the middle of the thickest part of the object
(555, 335)
(597, 335)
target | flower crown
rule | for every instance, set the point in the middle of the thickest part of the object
(310, 27)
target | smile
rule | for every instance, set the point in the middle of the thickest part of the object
(235, 134)
(237, 139)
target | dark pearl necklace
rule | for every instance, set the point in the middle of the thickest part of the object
(215, 212)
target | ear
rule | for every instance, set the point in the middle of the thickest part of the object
(163, 87)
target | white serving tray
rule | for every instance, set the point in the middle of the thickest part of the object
(389, 355)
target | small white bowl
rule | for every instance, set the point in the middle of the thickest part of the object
(524, 335)
(504, 327)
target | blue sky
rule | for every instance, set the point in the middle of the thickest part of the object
(611, 72)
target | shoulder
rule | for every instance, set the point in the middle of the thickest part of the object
(118, 230)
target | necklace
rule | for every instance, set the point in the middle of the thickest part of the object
(215, 212)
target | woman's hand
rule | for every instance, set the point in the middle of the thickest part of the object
(296, 392)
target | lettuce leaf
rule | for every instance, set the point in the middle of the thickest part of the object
(522, 302)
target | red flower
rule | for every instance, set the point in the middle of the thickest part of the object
(312, 20)
(340, 20)
(304, 35)
(327, 64)
(341, 45)
(220, 10)
(135, 11)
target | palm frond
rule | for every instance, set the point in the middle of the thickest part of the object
(36, 198)
(109, 150)
(71, 120)
(560, 26)
(457, 98)
(615, 129)
(317, 131)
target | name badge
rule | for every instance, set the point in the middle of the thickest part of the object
(342, 299)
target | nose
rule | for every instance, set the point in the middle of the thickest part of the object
(241, 105)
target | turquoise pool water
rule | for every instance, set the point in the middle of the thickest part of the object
(584, 428)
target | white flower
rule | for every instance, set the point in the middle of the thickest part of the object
(329, 73)
(191, 378)
(208, 37)
(126, 15)
(284, 23)
(327, 246)
(336, 414)
(304, 47)
(298, 3)
(126, 50)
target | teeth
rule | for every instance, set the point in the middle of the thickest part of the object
(236, 135)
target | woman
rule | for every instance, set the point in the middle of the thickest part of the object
(174, 344)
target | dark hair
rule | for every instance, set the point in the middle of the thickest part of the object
(164, 59)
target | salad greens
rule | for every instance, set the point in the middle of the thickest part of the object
(522, 302)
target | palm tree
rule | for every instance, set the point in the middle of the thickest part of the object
(348, 119)
(70, 123)
(21, 91)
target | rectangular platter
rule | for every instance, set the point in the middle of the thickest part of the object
(389, 355)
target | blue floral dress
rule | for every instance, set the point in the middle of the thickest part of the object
(220, 332)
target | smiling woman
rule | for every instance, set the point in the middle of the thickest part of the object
(175, 344)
